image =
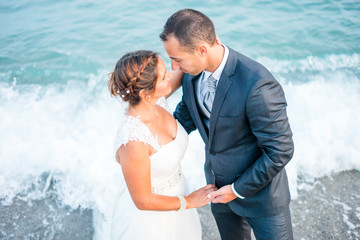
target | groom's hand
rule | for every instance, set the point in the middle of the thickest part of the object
(222, 195)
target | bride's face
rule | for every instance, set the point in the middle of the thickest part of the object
(162, 87)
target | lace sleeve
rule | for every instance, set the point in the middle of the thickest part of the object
(132, 129)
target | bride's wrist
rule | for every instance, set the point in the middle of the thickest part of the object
(183, 203)
(188, 203)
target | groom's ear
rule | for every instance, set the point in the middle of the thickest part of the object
(218, 41)
(202, 50)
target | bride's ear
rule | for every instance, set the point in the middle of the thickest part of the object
(142, 93)
(145, 95)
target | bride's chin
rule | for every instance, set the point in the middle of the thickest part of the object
(169, 91)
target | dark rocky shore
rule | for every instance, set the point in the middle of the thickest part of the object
(44, 219)
(330, 210)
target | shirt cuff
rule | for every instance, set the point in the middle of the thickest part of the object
(238, 195)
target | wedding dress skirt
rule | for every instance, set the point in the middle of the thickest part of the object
(127, 222)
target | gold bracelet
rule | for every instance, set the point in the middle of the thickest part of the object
(182, 203)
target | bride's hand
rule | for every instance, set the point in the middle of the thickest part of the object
(175, 81)
(199, 197)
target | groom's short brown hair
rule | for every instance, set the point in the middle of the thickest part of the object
(189, 27)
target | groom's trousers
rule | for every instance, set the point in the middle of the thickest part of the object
(234, 227)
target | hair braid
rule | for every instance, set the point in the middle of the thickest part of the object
(134, 72)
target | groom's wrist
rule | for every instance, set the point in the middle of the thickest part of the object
(235, 192)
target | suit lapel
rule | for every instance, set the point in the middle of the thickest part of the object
(221, 91)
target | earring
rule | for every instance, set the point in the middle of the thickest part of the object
(148, 99)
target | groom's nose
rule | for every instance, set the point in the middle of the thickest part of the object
(174, 65)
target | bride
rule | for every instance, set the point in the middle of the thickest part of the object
(149, 146)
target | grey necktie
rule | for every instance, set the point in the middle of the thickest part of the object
(210, 93)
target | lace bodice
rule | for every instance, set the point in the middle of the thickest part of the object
(132, 129)
(165, 162)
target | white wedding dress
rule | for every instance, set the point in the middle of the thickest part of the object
(129, 223)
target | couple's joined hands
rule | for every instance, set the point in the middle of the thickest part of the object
(210, 193)
(224, 194)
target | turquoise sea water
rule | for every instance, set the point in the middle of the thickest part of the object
(57, 120)
(44, 42)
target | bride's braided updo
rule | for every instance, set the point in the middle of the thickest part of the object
(134, 72)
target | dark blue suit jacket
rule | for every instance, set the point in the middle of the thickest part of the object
(249, 141)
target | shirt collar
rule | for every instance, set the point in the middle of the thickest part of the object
(220, 69)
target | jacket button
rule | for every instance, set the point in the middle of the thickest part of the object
(213, 153)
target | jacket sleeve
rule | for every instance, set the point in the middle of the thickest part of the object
(182, 114)
(266, 112)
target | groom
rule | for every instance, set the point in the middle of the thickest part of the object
(240, 111)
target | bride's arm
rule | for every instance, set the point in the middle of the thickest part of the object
(135, 164)
(175, 81)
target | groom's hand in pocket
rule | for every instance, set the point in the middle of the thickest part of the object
(224, 194)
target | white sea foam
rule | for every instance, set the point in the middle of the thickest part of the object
(330, 62)
(66, 131)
